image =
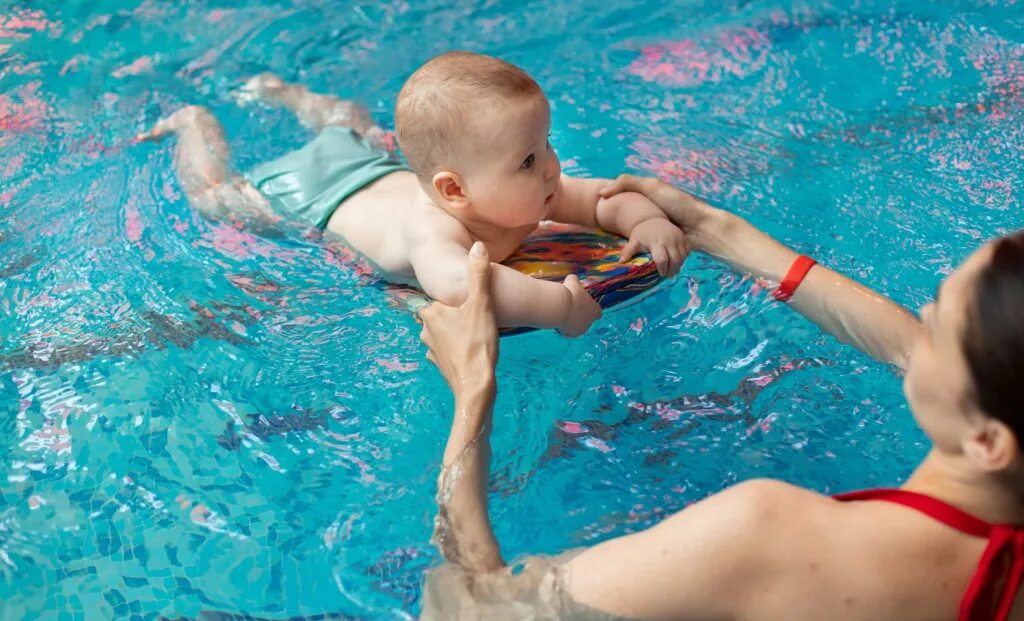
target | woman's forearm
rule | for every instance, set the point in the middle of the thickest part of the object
(463, 530)
(474, 404)
(734, 241)
(842, 307)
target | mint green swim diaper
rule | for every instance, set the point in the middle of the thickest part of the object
(310, 183)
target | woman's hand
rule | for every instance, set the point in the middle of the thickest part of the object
(463, 341)
(686, 211)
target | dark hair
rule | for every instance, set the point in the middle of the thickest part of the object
(993, 341)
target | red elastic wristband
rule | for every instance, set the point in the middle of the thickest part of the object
(796, 274)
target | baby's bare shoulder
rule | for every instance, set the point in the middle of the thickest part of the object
(429, 224)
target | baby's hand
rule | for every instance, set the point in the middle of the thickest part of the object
(665, 241)
(583, 310)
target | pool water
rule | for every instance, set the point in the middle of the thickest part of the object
(196, 422)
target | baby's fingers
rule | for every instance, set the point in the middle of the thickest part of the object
(661, 259)
(674, 261)
(629, 251)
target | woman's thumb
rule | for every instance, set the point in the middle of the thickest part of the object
(479, 276)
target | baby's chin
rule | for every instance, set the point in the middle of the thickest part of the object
(525, 218)
(545, 211)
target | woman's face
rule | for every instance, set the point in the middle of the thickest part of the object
(938, 384)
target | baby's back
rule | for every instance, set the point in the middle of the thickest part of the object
(372, 221)
(392, 218)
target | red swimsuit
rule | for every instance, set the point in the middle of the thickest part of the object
(994, 586)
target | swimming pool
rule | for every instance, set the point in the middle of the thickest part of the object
(197, 419)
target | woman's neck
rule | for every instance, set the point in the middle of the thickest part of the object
(947, 478)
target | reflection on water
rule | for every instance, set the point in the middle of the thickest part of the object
(200, 422)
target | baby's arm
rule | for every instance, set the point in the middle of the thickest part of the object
(580, 203)
(519, 300)
(628, 214)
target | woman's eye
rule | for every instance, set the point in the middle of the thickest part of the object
(528, 162)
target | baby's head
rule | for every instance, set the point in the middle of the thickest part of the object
(475, 131)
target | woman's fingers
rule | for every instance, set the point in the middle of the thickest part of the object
(479, 274)
(428, 312)
(627, 183)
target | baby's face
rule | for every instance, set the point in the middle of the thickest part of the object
(511, 175)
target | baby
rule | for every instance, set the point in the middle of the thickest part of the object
(474, 130)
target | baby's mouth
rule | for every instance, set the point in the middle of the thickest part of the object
(551, 197)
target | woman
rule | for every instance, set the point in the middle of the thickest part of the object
(766, 550)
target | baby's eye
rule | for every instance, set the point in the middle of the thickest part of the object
(528, 162)
(550, 148)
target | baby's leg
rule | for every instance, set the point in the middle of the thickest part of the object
(201, 158)
(314, 110)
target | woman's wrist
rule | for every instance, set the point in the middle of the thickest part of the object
(712, 229)
(476, 391)
(736, 242)
(474, 407)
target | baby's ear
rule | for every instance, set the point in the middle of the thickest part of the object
(448, 186)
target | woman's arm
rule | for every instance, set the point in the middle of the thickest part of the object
(713, 560)
(463, 343)
(842, 307)
(463, 529)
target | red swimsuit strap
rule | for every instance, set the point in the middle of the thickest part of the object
(993, 589)
(935, 509)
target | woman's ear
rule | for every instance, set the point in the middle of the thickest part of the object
(449, 189)
(992, 446)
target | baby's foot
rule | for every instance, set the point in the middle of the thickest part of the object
(259, 88)
(170, 124)
(381, 138)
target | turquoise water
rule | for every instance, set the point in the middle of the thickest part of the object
(196, 419)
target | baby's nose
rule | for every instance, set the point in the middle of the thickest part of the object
(552, 167)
